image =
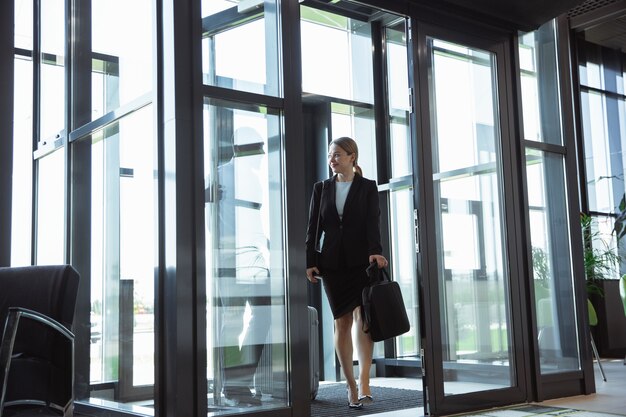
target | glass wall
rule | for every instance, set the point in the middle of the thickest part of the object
(352, 56)
(246, 309)
(473, 269)
(122, 202)
(548, 218)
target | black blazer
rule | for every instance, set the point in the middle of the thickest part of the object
(356, 237)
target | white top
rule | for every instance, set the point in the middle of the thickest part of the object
(341, 193)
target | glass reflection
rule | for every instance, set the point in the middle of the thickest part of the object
(246, 346)
(473, 271)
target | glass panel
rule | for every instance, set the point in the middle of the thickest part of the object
(540, 88)
(122, 46)
(403, 265)
(246, 305)
(472, 261)
(357, 123)
(589, 67)
(333, 48)
(123, 245)
(52, 68)
(24, 24)
(51, 209)
(401, 221)
(604, 157)
(552, 270)
(251, 29)
(21, 211)
(399, 105)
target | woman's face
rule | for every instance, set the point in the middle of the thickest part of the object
(339, 160)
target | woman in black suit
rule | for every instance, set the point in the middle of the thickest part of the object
(344, 222)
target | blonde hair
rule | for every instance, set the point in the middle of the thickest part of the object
(349, 145)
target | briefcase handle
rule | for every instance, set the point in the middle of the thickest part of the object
(374, 274)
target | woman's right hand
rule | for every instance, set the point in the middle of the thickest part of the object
(311, 273)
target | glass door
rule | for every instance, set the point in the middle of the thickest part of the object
(356, 83)
(469, 312)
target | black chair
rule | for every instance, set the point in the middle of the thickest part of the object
(37, 352)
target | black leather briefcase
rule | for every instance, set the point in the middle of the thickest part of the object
(382, 305)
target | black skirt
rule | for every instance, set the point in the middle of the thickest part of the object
(344, 287)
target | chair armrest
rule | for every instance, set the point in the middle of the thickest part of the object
(41, 318)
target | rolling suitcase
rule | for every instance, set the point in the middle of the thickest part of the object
(314, 356)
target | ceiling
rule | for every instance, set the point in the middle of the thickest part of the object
(524, 15)
(602, 21)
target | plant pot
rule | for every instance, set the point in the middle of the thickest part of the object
(610, 333)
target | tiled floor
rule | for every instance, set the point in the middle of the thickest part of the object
(609, 399)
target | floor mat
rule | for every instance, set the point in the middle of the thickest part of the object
(332, 401)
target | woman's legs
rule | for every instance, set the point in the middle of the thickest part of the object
(365, 352)
(343, 347)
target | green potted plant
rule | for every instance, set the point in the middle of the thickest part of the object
(602, 262)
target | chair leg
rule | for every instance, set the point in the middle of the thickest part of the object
(6, 351)
(595, 353)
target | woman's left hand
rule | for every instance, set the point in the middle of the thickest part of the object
(380, 260)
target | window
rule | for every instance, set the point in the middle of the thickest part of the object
(548, 218)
